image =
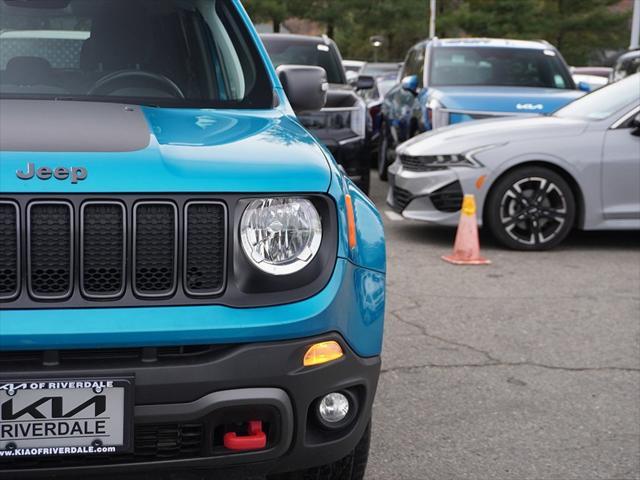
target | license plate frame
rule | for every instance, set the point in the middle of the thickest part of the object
(119, 389)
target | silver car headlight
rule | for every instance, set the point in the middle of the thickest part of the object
(281, 236)
(436, 162)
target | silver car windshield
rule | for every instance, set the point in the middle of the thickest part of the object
(604, 102)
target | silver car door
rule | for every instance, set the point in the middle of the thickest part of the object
(621, 171)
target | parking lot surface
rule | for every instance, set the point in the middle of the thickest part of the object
(525, 369)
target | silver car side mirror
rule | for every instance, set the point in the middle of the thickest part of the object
(635, 125)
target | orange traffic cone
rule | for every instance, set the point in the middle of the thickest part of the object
(466, 250)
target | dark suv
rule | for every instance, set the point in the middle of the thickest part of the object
(342, 125)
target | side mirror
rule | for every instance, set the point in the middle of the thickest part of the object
(352, 78)
(410, 84)
(635, 125)
(306, 87)
(584, 86)
(365, 82)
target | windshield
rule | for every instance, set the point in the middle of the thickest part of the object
(493, 66)
(380, 69)
(161, 52)
(604, 102)
(286, 50)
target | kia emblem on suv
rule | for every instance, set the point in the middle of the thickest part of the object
(530, 106)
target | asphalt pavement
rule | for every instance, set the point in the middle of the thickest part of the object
(528, 369)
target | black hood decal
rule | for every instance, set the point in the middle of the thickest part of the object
(69, 126)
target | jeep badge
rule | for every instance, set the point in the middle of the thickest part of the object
(77, 174)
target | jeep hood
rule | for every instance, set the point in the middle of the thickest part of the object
(144, 149)
(504, 99)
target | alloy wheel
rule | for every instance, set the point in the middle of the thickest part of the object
(533, 211)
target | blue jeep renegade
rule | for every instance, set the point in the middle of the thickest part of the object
(188, 282)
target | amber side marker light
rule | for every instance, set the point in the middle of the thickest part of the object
(351, 221)
(323, 352)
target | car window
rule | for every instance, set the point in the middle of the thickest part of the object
(604, 102)
(285, 50)
(379, 69)
(414, 64)
(169, 52)
(487, 66)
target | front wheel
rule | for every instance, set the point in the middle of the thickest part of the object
(531, 208)
(351, 467)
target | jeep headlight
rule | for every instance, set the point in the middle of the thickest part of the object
(281, 236)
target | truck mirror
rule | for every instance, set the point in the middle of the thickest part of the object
(365, 82)
(306, 87)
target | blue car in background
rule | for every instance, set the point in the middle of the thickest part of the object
(447, 81)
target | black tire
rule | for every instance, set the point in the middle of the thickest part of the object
(383, 152)
(530, 208)
(351, 467)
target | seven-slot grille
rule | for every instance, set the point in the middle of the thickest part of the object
(103, 250)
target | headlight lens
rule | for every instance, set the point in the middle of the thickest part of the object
(421, 163)
(435, 162)
(281, 236)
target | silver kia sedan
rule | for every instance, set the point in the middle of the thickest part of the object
(535, 177)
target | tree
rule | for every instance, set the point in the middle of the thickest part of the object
(401, 23)
(274, 11)
(581, 28)
(578, 28)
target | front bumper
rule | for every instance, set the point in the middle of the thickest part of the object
(434, 196)
(207, 393)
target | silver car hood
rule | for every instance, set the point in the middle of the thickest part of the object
(468, 136)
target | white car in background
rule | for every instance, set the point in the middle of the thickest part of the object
(535, 178)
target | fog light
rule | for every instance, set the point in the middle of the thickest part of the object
(333, 408)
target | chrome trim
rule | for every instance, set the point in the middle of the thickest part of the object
(186, 248)
(72, 232)
(16, 293)
(134, 240)
(93, 296)
(339, 109)
(349, 140)
(488, 114)
(618, 123)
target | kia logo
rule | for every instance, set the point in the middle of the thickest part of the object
(98, 402)
(75, 174)
(530, 106)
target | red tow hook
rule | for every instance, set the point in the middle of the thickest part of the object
(256, 440)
